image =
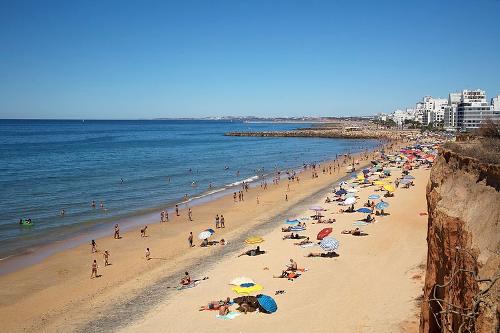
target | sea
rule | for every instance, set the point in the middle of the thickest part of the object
(132, 168)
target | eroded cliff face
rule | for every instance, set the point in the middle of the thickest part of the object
(463, 201)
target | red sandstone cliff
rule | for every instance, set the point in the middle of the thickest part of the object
(463, 238)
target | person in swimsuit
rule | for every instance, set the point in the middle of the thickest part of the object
(217, 221)
(166, 215)
(222, 221)
(190, 239)
(177, 210)
(94, 249)
(148, 254)
(143, 231)
(293, 265)
(106, 258)
(117, 232)
(94, 269)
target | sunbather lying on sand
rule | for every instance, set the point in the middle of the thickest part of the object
(293, 236)
(304, 242)
(253, 252)
(326, 221)
(355, 232)
(328, 200)
(215, 305)
(369, 218)
(323, 255)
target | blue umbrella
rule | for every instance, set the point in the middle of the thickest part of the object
(212, 231)
(329, 244)
(341, 192)
(374, 196)
(292, 221)
(364, 210)
(267, 304)
(382, 205)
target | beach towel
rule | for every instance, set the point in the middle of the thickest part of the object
(360, 223)
(230, 315)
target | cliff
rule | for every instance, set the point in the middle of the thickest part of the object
(461, 292)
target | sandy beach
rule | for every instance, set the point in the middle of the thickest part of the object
(373, 282)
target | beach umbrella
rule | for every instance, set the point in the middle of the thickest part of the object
(247, 288)
(382, 205)
(405, 181)
(349, 201)
(254, 240)
(329, 244)
(204, 234)
(316, 208)
(408, 177)
(240, 280)
(292, 221)
(341, 192)
(379, 183)
(364, 210)
(389, 188)
(212, 231)
(267, 304)
(323, 233)
(374, 196)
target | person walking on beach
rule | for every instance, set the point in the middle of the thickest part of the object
(143, 231)
(162, 217)
(94, 249)
(190, 239)
(257, 199)
(177, 210)
(148, 254)
(222, 221)
(106, 258)
(94, 269)
(286, 197)
(117, 232)
(190, 214)
(234, 197)
(217, 221)
(166, 215)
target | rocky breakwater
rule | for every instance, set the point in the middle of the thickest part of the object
(461, 292)
(327, 133)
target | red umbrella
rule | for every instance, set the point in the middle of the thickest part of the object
(323, 233)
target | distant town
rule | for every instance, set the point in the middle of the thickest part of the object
(463, 111)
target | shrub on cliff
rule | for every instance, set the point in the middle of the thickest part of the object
(486, 150)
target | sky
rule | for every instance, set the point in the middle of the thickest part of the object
(150, 59)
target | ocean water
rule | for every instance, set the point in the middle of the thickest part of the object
(46, 166)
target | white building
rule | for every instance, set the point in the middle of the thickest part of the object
(473, 110)
(495, 102)
(450, 111)
(433, 110)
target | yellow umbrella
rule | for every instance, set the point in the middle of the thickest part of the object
(254, 240)
(389, 188)
(247, 290)
(361, 176)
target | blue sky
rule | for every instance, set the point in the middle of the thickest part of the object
(147, 59)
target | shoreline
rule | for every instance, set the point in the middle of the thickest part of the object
(66, 272)
(32, 255)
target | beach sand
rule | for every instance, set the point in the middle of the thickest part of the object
(370, 287)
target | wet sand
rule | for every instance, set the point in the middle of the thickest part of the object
(60, 296)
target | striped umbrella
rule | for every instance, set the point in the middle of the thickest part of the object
(329, 244)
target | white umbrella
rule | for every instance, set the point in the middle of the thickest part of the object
(240, 280)
(349, 201)
(329, 244)
(204, 234)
